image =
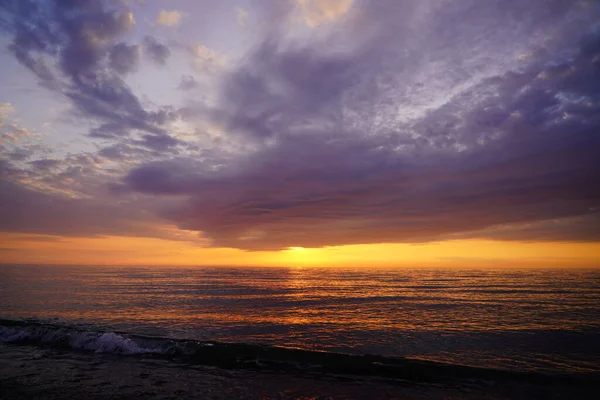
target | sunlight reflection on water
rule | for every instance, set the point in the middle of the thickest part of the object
(518, 319)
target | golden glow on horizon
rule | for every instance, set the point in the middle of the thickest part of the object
(28, 249)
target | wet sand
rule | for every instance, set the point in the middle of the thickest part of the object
(28, 372)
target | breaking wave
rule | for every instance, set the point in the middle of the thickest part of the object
(78, 338)
(252, 356)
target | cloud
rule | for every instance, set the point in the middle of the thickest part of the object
(45, 164)
(18, 154)
(124, 59)
(317, 12)
(156, 51)
(241, 16)
(205, 59)
(158, 141)
(25, 210)
(76, 49)
(187, 83)
(69, 197)
(575, 229)
(117, 152)
(5, 110)
(419, 130)
(414, 121)
(12, 133)
(169, 18)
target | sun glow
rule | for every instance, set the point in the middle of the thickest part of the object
(300, 256)
(43, 249)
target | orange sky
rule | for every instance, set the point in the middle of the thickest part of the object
(18, 248)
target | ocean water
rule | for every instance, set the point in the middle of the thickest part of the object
(519, 320)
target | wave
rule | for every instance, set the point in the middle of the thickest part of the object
(257, 357)
(78, 338)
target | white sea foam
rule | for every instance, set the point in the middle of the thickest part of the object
(107, 343)
(100, 342)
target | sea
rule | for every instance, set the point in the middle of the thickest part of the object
(529, 320)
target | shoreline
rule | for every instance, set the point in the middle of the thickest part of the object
(260, 357)
(34, 372)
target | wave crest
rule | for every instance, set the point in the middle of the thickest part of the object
(256, 357)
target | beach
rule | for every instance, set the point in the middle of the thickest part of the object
(28, 372)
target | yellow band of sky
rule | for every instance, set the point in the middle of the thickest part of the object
(36, 249)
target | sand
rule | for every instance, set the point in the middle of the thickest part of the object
(29, 372)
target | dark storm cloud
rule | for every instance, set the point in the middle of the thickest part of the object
(347, 152)
(68, 45)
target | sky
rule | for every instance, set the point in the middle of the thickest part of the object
(300, 132)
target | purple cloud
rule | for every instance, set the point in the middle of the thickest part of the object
(158, 142)
(124, 58)
(408, 121)
(187, 83)
(27, 211)
(348, 154)
(69, 45)
(156, 51)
